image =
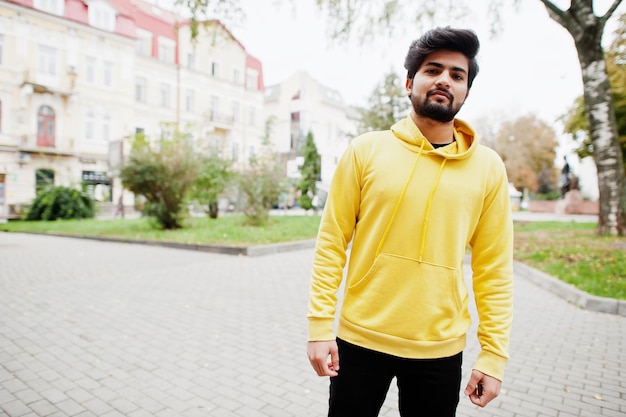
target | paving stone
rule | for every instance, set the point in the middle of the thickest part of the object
(42, 407)
(28, 396)
(70, 407)
(114, 329)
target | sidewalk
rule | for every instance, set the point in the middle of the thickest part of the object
(527, 216)
(90, 328)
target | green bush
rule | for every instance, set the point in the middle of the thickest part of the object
(163, 173)
(214, 176)
(551, 195)
(260, 185)
(310, 171)
(61, 203)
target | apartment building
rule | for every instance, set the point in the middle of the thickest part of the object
(300, 105)
(78, 80)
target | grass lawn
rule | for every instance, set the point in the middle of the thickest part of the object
(568, 251)
(573, 253)
(229, 230)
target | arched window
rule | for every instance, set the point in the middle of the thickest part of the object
(44, 178)
(45, 126)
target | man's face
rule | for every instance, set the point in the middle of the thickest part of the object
(439, 87)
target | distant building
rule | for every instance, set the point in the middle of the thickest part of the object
(78, 79)
(300, 105)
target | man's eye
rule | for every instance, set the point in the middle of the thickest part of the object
(458, 77)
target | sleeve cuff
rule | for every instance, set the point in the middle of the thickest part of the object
(320, 329)
(491, 364)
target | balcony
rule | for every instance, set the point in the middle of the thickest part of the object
(27, 144)
(219, 121)
(62, 85)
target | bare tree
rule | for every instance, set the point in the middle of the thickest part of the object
(587, 29)
(386, 104)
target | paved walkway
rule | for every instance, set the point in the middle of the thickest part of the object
(91, 328)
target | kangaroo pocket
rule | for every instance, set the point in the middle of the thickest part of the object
(408, 299)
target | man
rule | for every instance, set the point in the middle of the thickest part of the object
(411, 200)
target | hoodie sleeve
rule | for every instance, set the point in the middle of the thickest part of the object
(335, 232)
(492, 266)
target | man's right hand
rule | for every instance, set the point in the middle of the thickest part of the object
(318, 353)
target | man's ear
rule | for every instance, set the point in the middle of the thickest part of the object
(409, 86)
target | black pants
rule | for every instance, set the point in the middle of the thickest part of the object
(426, 387)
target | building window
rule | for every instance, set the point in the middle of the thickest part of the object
(235, 111)
(236, 76)
(101, 16)
(252, 117)
(144, 42)
(295, 131)
(235, 151)
(106, 128)
(215, 107)
(45, 126)
(141, 89)
(44, 178)
(215, 69)
(50, 6)
(1, 47)
(166, 49)
(165, 95)
(167, 132)
(191, 61)
(108, 74)
(97, 184)
(189, 100)
(90, 72)
(252, 81)
(0, 115)
(47, 60)
(89, 122)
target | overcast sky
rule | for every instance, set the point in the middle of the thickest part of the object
(531, 67)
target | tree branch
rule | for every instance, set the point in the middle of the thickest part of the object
(555, 12)
(610, 12)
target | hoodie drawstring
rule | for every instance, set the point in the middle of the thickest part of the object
(395, 209)
(401, 198)
(427, 214)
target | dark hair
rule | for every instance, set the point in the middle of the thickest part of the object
(464, 41)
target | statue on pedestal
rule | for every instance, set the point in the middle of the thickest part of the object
(566, 182)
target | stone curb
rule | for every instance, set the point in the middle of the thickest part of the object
(570, 292)
(257, 250)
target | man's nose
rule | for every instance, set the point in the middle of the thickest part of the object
(443, 80)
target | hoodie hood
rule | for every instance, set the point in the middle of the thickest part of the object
(464, 144)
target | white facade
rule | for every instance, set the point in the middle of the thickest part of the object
(221, 94)
(300, 105)
(79, 79)
(55, 118)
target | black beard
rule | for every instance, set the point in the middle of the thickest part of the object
(433, 110)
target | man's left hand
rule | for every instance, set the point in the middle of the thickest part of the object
(481, 388)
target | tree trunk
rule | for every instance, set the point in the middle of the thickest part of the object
(586, 28)
(213, 210)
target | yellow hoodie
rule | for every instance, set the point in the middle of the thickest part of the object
(410, 212)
